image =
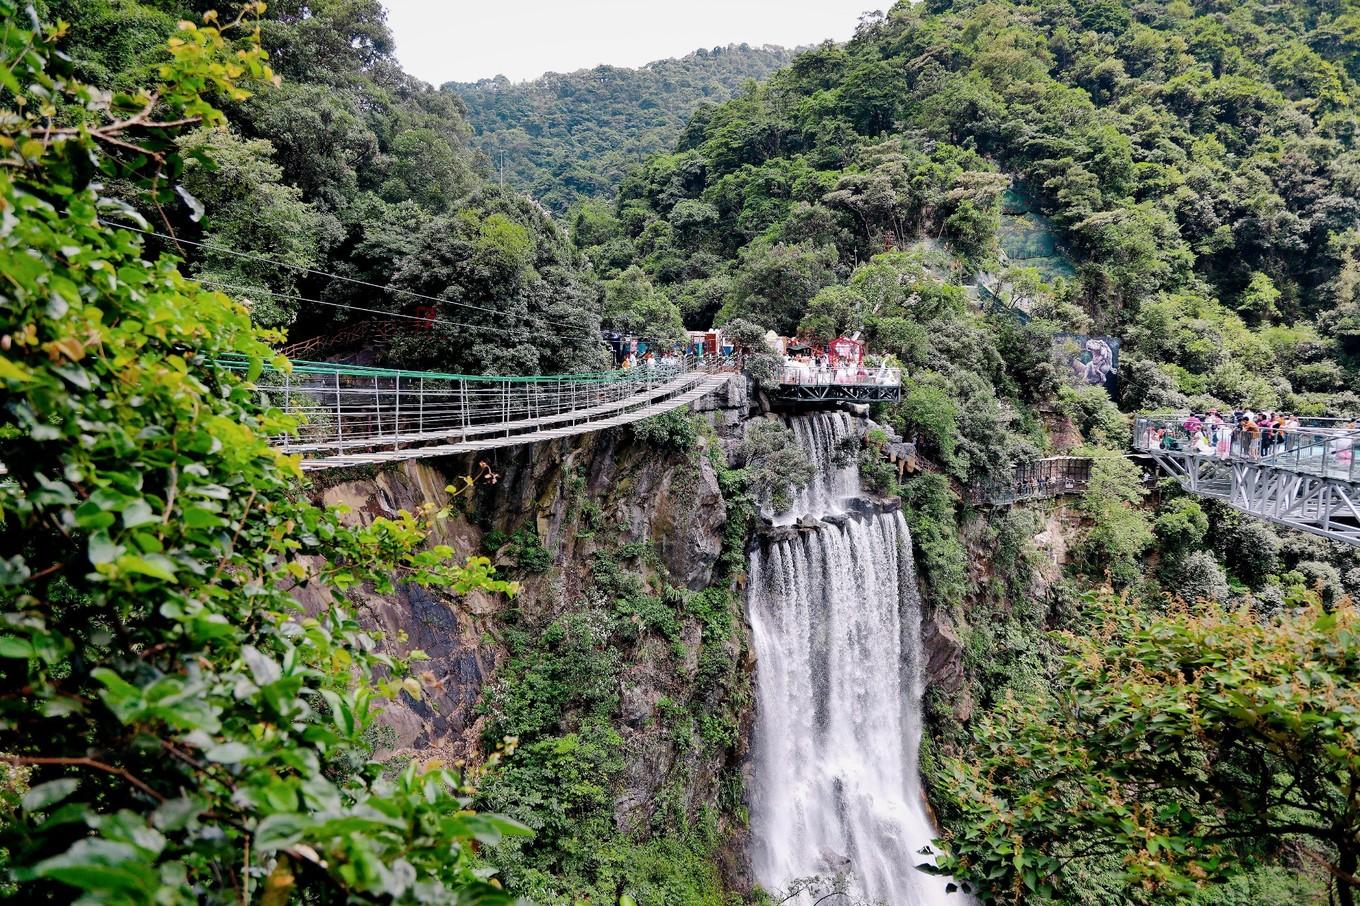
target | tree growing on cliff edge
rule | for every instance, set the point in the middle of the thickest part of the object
(174, 728)
(1186, 748)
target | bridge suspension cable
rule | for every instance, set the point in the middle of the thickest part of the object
(251, 256)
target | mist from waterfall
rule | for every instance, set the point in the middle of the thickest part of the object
(836, 615)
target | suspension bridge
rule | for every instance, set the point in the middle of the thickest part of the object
(1307, 480)
(351, 415)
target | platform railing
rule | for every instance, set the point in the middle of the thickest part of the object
(879, 377)
(1324, 448)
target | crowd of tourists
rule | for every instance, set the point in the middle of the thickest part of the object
(823, 369)
(1252, 435)
(667, 361)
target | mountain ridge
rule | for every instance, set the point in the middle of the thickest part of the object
(568, 137)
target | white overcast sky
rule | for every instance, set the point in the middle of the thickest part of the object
(462, 41)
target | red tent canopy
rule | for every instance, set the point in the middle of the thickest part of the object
(844, 350)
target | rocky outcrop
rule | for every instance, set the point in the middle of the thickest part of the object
(943, 652)
(578, 496)
(451, 631)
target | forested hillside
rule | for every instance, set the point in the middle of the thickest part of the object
(1199, 165)
(565, 137)
(349, 166)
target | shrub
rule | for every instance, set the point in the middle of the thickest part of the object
(1195, 576)
(1250, 548)
(1181, 526)
(877, 474)
(774, 462)
(1119, 533)
(928, 506)
(528, 552)
(1099, 419)
(927, 409)
(670, 432)
(765, 369)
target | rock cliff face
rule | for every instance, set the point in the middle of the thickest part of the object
(1053, 525)
(668, 501)
(579, 499)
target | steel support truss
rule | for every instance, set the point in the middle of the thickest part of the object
(1322, 506)
(837, 393)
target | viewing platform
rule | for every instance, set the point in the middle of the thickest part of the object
(1055, 476)
(801, 384)
(1304, 478)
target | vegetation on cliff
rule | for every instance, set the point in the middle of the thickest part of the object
(625, 690)
(1197, 164)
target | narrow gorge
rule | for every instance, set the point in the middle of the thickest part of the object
(797, 706)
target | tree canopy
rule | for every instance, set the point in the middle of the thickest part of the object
(175, 727)
(567, 137)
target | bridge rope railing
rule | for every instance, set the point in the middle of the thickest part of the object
(346, 408)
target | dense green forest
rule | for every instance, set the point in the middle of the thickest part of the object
(564, 138)
(1109, 743)
(1198, 164)
(350, 166)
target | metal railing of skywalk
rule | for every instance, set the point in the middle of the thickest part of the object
(342, 408)
(1325, 448)
(801, 375)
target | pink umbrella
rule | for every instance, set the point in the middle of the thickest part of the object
(1193, 424)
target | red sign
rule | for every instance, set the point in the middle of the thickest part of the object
(426, 314)
(847, 350)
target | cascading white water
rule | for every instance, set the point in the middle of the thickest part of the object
(836, 615)
(819, 435)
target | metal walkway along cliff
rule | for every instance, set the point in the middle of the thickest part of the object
(1308, 481)
(358, 416)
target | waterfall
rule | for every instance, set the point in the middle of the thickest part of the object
(818, 435)
(836, 616)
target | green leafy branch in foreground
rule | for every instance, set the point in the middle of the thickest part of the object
(181, 728)
(1185, 747)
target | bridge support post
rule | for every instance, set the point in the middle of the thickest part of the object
(339, 418)
(377, 405)
(396, 416)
